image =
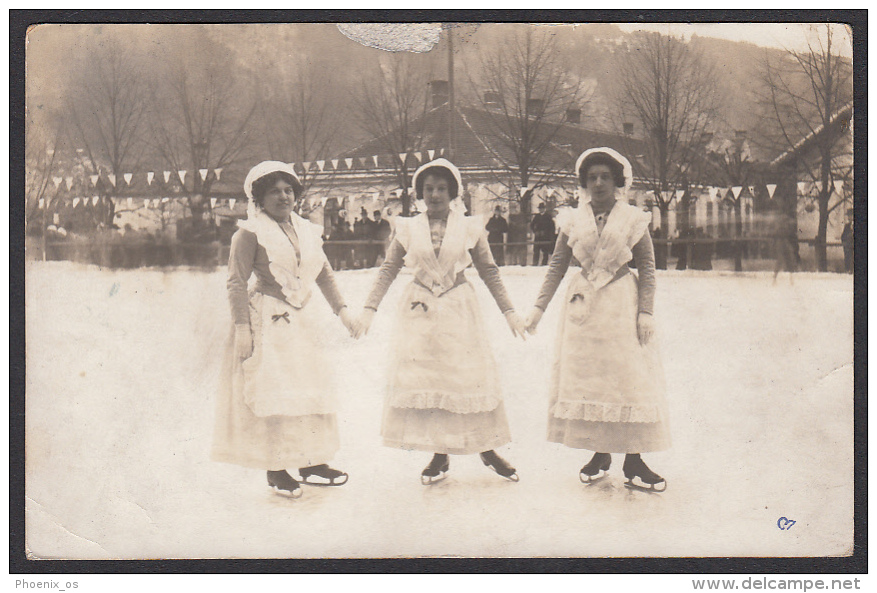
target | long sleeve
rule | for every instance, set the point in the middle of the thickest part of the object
(388, 272)
(241, 259)
(644, 257)
(329, 288)
(489, 273)
(557, 268)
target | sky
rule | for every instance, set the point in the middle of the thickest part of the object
(791, 36)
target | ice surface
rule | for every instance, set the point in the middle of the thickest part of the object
(122, 367)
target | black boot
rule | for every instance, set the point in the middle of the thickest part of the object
(284, 484)
(436, 471)
(499, 465)
(596, 468)
(322, 475)
(640, 476)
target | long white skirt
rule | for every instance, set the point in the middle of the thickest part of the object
(444, 392)
(275, 410)
(608, 392)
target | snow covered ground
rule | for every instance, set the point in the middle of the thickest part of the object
(122, 368)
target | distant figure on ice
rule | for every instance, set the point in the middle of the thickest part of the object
(846, 239)
(543, 235)
(785, 234)
(497, 227)
(444, 395)
(276, 409)
(608, 392)
(380, 232)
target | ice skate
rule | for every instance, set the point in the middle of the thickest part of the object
(436, 471)
(640, 477)
(499, 465)
(595, 469)
(284, 484)
(322, 475)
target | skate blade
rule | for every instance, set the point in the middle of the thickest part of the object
(286, 493)
(310, 481)
(643, 487)
(430, 480)
(589, 480)
(512, 478)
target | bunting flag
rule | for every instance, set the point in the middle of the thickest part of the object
(112, 178)
(128, 177)
(56, 218)
(68, 181)
(182, 175)
(149, 177)
(771, 187)
(42, 203)
(362, 160)
(165, 200)
(130, 202)
(167, 176)
(321, 165)
(213, 202)
(802, 187)
(155, 203)
(57, 181)
(403, 156)
(306, 166)
(75, 202)
(335, 164)
(419, 156)
(323, 201)
(751, 189)
(375, 159)
(838, 186)
(737, 189)
(203, 174)
(94, 179)
(431, 154)
(349, 163)
(231, 203)
(680, 193)
(441, 152)
(146, 203)
(94, 200)
(217, 172)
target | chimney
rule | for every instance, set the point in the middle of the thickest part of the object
(438, 92)
(491, 98)
(534, 106)
(574, 115)
(628, 128)
(706, 137)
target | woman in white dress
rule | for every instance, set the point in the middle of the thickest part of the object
(443, 394)
(276, 409)
(607, 392)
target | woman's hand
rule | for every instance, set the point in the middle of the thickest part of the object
(533, 319)
(364, 322)
(349, 322)
(645, 327)
(516, 324)
(243, 342)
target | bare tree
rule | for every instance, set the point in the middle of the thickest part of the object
(807, 96)
(392, 106)
(670, 88)
(106, 110)
(41, 149)
(202, 123)
(527, 95)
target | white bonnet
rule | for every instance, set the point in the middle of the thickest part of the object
(615, 156)
(264, 168)
(445, 164)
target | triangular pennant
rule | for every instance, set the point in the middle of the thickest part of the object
(165, 200)
(112, 178)
(362, 160)
(57, 181)
(419, 156)
(146, 203)
(75, 202)
(128, 177)
(335, 164)
(149, 177)
(736, 190)
(751, 190)
(306, 166)
(349, 163)
(94, 179)
(375, 159)
(431, 154)
(68, 181)
(213, 202)
(403, 156)
(802, 187)
(323, 201)
(441, 151)
(155, 203)
(182, 175)
(130, 202)
(203, 174)
(771, 187)
(231, 203)
(42, 203)
(217, 172)
(321, 165)
(680, 193)
(94, 200)
(167, 176)
(838, 186)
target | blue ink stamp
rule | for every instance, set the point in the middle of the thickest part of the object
(785, 524)
(114, 289)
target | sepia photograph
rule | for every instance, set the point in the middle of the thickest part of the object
(413, 290)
